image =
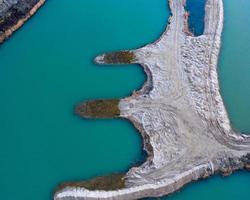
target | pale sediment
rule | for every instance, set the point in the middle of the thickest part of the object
(179, 111)
(18, 19)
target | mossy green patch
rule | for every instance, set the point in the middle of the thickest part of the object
(99, 109)
(125, 57)
(111, 182)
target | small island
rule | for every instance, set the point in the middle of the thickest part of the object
(179, 112)
(14, 13)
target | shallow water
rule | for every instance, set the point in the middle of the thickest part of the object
(46, 68)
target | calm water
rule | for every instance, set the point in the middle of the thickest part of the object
(234, 68)
(46, 68)
(196, 9)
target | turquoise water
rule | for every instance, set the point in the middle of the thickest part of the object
(234, 71)
(46, 68)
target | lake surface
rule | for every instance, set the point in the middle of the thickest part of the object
(46, 68)
(234, 71)
(196, 9)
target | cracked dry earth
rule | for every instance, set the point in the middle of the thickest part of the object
(179, 111)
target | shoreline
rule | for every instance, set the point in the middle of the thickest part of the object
(184, 124)
(4, 36)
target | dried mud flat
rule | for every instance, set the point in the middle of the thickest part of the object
(179, 112)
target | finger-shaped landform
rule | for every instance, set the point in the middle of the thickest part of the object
(14, 13)
(179, 112)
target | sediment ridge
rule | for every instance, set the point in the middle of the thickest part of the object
(179, 112)
(14, 13)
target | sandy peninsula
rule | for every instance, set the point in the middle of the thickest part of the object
(179, 113)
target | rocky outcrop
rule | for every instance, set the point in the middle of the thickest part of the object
(14, 13)
(179, 111)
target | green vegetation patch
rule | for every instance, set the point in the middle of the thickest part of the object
(111, 182)
(99, 109)
(125, 57)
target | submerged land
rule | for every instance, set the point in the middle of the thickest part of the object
(179, 112)
(14, 13)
